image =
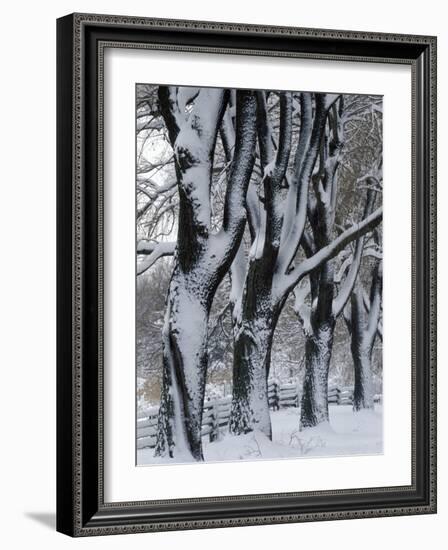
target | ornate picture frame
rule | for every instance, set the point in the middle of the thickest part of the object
(81, 506)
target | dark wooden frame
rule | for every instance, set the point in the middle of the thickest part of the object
(81, 509)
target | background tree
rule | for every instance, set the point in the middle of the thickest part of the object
(363, 319)
(342, 147)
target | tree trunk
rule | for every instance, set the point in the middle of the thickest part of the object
(252, 357)
(201, 259)
(362, 360)
(184, 371)
(318, 349)
(319, 342)
(257, 313)
(325, 306)
(361, 346)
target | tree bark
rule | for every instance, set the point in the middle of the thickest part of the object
(201, 259)
(318, 349)
(363, 327)
(253, 335)
(256, 314)
(362, 360)
(184, 369)
(250, 405)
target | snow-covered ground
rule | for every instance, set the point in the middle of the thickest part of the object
(347, 434)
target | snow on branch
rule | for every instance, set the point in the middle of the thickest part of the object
(170, 111)
(234, 215)
(311, 131)
(275, 166)
(373, 319)
(151, 252)
(185, 96)
(237, 278)
(302, 310)
(193, 119)
(352, 273)
(375, 302)
(331, 250)
(227, 133)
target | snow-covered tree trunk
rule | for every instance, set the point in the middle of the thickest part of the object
(322, 317)
(325, 306)
(193, 118)
(184, 340)
(363, 327)
(318, 349)
(257, 313)
(252, 357)
(362, 356)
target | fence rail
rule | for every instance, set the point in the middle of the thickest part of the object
(216, 413)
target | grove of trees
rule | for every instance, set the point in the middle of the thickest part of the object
(259, 251)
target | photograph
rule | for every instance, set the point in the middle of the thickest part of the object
(258, 274)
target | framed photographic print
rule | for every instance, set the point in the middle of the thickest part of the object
(246, 274)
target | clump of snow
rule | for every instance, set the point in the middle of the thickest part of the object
(269, 169)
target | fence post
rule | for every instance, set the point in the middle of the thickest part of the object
(273, 398)
(214, 433)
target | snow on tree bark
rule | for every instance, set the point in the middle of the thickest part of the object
(363, 327)
(184, 340)
(201, 258)
(257, 316)
(250, 405)
(318, 348)
(362, 356)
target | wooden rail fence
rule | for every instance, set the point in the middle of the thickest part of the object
(216, 413)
